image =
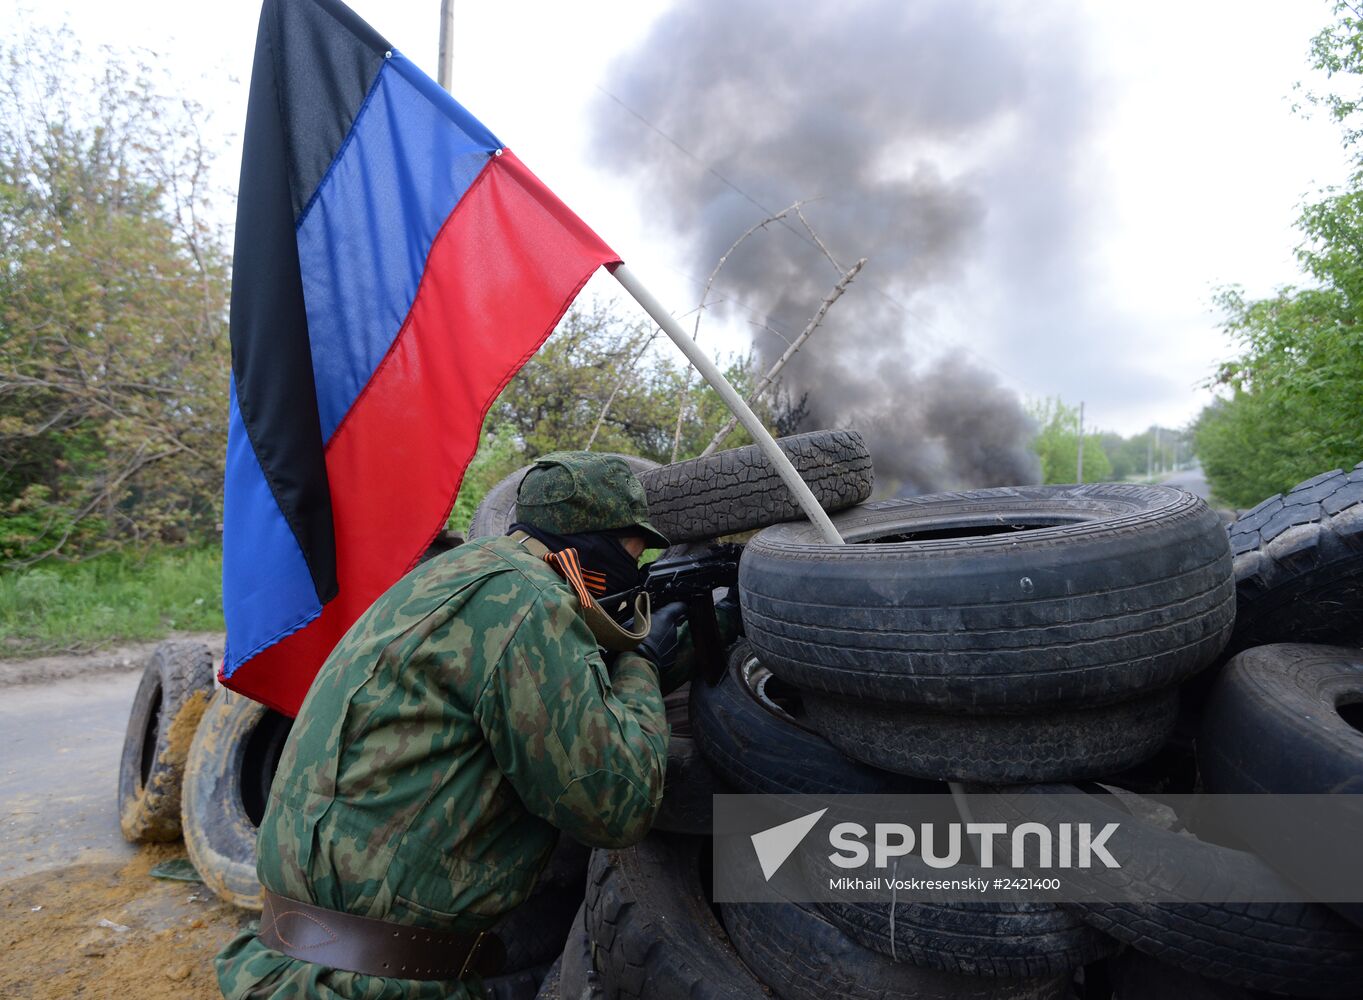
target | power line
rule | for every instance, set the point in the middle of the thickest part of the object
(690, 155)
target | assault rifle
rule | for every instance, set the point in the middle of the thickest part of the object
(692, 579)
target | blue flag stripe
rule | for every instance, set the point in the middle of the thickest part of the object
(363, 242)
(267, 590)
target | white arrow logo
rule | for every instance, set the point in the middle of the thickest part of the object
(776, 844)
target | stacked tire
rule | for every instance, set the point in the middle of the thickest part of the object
(1042, 638)
(729, 492)
(1026, 637)
(1008, 635)
(754, 729)
(1284, 714)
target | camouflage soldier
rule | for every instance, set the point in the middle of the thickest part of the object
(466, 718)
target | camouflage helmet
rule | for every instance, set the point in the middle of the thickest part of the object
(571, 492)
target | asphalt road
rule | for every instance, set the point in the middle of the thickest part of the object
(59, 751)
(1193, 480)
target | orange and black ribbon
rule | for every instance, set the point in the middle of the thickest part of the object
(585, 582)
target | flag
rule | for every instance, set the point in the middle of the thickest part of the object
(395, 266)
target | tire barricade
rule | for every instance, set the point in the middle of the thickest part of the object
(1114, 634)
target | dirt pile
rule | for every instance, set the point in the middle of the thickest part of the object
(110, 930)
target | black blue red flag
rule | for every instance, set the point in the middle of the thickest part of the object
(395, 266)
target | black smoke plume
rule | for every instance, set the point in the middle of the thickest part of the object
(908, 124)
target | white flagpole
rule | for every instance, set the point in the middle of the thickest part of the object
(799, 489)
(446, 63)
(797, 486)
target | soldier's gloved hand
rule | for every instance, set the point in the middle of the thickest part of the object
(729, 616)
(660, 645)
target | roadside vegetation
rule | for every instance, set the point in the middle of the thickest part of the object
(114, 360)
(1291, 396)
(1108, 456)
(77, 606)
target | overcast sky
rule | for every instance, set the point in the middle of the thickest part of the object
(1145, 155)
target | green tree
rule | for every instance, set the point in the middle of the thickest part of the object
(1292, 396)
(610, 383)
(1118, 452)
(499, 454)
(1152, 451)
(606, 382)
(113, 296)
(113, 327)
(1057, 444)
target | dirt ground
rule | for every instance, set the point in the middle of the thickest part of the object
(127, 656)
(160, 945)
(79, 914)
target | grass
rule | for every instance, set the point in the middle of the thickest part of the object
(74, 607)
(123, 596)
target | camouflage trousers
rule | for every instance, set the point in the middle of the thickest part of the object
(247, 970)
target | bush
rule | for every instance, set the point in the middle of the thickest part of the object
(128, 595)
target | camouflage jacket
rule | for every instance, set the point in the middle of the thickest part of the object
(464, 719)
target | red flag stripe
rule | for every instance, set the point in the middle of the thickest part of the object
(504, 268)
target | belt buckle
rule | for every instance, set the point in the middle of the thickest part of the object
(473, 954)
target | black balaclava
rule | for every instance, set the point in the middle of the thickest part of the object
(609, 569)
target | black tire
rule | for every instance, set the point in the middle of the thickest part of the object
(739, 490)
(724, 493)
(535, 931)
(801, 956)
(523, 984)
(689, 783)
(496, 513)
(751, 728)
(1299, 565)
(444, 541)
(551, 987)
(578, 978)
(995, 939)
(1067, 744)
(995, 600)
(654, 934)
(176, 685)
(1297, 948)
(227, 783)
(1140, 977)
(1288, 719)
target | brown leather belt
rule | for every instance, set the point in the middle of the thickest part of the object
(374, 947)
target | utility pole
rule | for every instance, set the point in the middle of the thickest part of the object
(446, 43)
(1081, 441)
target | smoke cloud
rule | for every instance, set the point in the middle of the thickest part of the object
(932, 137)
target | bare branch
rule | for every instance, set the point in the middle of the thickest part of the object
(799, 210)
(700, 312)
(619, 384)
(774, 372)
